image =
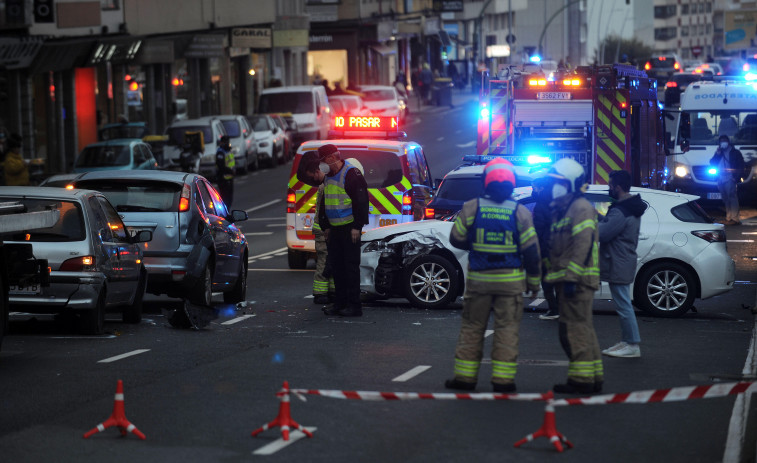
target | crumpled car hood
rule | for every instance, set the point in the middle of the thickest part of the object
(423, 227)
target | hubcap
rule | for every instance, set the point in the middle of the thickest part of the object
(667, 290)
(430, 282)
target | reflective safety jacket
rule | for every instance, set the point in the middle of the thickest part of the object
(574, 241)
(318, 206)
(506, 241)
(225, 163)
(337, 202)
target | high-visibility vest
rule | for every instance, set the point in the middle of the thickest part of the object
(230, 164)
(337, 202)
(494, 238)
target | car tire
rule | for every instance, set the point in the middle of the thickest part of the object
(281, 158)
(202, 293)
(665, 289)
(239, 292)
(297, 259)
(430, 282)
(133, 313)
(92, 321)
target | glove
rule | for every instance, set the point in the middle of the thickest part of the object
(569, 289)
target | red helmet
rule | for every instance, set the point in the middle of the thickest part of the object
(499, 170)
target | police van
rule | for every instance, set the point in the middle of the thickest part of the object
(708, 110)
(396, 171)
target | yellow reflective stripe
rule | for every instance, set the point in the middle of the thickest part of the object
(598, 368)
(504, 370)
(479, 235)
(406, 183)
(459, 227)
(515, 275)
(528, 234)
(533, 280)
(469, 220)
(384, 202)
(588, 223)
(466, 369)
(585, 369)
(560, 224)
(554, 276)
(494, 248)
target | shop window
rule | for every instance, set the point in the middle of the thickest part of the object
(664, 12)
(110, 4)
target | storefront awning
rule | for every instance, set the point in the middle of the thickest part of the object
(61, 56)
(383, 50)
(117, 50)
(18, 53)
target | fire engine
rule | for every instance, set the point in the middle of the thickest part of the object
(605, 117)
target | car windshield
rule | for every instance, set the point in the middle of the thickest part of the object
(378, 95)
(460, 188)
(289, 102)
(232, 128)
(705, 127)
(176, 134)
(69, 227)
(662, 62)
(104, 156)
(259, 123)
(685, 79)
(137, 195)
(382, 169)
(346, 104)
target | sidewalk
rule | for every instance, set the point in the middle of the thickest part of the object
(459, 98)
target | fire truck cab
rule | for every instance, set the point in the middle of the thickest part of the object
(605, 117)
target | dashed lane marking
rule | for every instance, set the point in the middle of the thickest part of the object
(279, 270)
(258, 234)
(262, 206)
(536, 302)
(271, 225)
(467, 145)
(740, 241)
(237, 320)
(280, 443)
(488, 333)
(123, 356)
(269, 253)
(413, 372)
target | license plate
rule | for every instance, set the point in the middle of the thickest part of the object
(31, 289)
(553, 96)
(713, 196)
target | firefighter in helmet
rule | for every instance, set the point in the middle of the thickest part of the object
(574, 268)
(225, 165)
(503, 263)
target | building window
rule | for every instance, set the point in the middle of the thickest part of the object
(109, 4)
(701, 7)
(709, 29)
(664, 12)
(665, 33)
(708, 7)
(685, 9)
(685, 31)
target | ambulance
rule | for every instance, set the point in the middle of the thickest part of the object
(396, 171)
(710, 109)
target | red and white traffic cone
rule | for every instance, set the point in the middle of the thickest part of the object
(117, 418)
(284, 419)
(548, 428)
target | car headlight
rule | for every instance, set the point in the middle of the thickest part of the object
(681, 171)
(375, 246)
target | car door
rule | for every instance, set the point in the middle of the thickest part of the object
(419, 178)
(107, 252)
(219, 227)
(129, 254)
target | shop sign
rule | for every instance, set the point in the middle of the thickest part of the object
(251, 37)
(448, 5)
(290, 38)
(205, 46)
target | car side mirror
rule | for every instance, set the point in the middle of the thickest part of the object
(238, 216)
(437, 182)
(142, 236)
(685, 145)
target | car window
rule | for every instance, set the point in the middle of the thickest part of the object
(115, 224)
(139, 154)
(176, 134)
(378, 95)
(425, 176)
(460, 188)
(137, 195)
(232, 128)
(382, 169)
(218, 204)
(99, 221)
(104, 155)
(259, 123)
(691, 212)
(289, 102)
(69, 227)
(338, 106)
(412, 164)
(206, 201)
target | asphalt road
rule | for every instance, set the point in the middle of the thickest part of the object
(197, 395)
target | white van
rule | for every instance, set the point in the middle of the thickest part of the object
(710, 109)
(308, 105)
(212, 130)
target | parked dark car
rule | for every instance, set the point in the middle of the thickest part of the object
(676, 85)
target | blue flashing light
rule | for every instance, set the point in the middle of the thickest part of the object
(484, 113)
(538, 159)
(750, 76)
(712, 171)
(535, 59)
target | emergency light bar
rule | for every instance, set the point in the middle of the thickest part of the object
(531, 159)
(381, 127)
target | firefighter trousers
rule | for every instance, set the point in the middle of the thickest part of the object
(577, 335)
(344, 257)
(508, 312)
(323, 283)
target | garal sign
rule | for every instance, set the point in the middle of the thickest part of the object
(251, 37)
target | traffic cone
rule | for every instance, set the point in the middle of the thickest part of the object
(284, 419)
(548, 428)
(117, 418)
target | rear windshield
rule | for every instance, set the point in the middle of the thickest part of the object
(382, 168)
(686, 78)
(232, 128)
(176, 134)
(70, 225)
(259, 124)
(290, 102)
(662, 62)
(460, 189)
(137, 195)
(691, 212)
(102, 156)
(378, 95)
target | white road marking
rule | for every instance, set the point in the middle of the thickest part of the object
(266, 257)
(276, 225)
(267, 254)
(309, 296)
(279, 270)
(488, 333)
(237, 320)
(123, 356)
(740, 241)
(280, 443)
(258, 233)
(413, 372)
(467, 145)
(262, 219)
(440, 139)
(261, 206)
(536, 302)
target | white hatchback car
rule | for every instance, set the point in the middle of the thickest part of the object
(681, 256)
(270, 139)
(383, 100)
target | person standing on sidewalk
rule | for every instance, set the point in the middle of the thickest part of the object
(344, 213)
(503, 262)
(574, 260)
(542, 223)
(618, 238)
(225, 166)
(730, 165)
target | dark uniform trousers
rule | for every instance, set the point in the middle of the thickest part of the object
(577, 335)
(226, 190)
(344, 258)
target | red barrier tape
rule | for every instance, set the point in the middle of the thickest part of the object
(374, 395)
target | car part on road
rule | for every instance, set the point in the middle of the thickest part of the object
(190, 315)
(666, 289)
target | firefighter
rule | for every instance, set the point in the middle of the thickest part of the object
(503, 262)
(574, 260)
(225, 170)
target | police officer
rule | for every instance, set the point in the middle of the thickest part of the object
(344, 213)
(225, 170)
(574, 260)
(503, 262)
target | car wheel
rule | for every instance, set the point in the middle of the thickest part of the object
(133, 313)
(239, 292)
(430, 282)
(297, 259)
(203, 290)
(92, 321)
(665, 289)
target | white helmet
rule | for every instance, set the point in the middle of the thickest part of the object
(570, 170)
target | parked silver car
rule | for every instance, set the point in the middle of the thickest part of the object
(196, 248)
(95, 265)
